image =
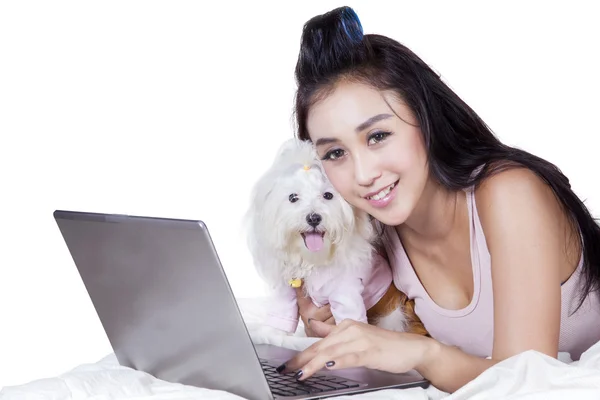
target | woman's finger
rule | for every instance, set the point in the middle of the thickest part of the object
(321, 329)
(303, 301)
(348, 360)
(311, 333)
(335, 335)
(308, 311)
(322, 313)
(308, 322)
(341, 355)
(303, 357)
(307, 307)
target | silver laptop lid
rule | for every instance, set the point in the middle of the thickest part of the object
(163, 299)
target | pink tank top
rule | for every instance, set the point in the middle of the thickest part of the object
(472, 328)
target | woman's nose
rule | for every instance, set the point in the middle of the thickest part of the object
(366, 171)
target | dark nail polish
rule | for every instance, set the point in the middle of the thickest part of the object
(330, 364)
(308, 322)
(280, 368)
(298, 374)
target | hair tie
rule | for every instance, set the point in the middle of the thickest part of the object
(351, 24)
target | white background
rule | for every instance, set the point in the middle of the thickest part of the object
(174, 108)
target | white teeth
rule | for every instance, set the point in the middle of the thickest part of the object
(383, 193)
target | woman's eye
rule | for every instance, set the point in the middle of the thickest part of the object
(378, 137)
(333, 154)
(293, 198)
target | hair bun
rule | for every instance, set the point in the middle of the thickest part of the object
(350, 23)
(330, 43)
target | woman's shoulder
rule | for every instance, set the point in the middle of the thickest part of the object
(515, 202)
(511, 189)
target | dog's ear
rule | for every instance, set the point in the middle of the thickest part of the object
(255, 231)
(296, 153)
(286, 148)
(252, 220)
(261, 192)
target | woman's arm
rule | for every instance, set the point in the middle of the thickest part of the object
(526, 233)
(449, 368)
(533, 249)
(308, 311)
(354, 344)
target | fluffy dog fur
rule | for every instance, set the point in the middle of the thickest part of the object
(299, 227)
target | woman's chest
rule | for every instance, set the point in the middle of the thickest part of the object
(455, 311)
(445, 272)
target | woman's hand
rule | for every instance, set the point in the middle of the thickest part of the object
(356, 344)
(308, 311)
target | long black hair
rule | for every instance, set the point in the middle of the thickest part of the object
(333, 47)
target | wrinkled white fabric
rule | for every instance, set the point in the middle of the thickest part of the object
(529, 375)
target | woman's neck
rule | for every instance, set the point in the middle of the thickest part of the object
(434, 215)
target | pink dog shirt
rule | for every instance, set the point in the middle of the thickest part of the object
(350, 295)
(472, 328)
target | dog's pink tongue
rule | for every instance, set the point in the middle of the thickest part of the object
(313, 241)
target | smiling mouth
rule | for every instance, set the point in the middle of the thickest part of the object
(382, 193)
(313, 240)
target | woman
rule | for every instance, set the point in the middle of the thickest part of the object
(497, 251)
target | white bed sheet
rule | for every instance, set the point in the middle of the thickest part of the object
(529, 375)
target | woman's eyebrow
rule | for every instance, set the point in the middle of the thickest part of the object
(365, 125)
(371, 121)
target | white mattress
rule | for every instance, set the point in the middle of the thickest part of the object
(530, 375)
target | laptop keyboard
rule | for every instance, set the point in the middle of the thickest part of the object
(287, 385)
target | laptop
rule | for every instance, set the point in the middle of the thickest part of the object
(165, 303)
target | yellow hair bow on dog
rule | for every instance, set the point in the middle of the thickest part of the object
(295, 283)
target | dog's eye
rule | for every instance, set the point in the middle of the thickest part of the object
(328, 195)
(293, 198)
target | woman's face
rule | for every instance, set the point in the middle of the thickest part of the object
(374, 159)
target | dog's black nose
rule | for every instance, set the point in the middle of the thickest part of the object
(313, 219)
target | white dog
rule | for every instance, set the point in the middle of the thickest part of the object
(301, 232)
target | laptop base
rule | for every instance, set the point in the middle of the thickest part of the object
(366, 380)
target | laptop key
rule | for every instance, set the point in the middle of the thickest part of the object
(277, 385)
(312, 389)
(281, 378)
(299, 386)
(288, 385)
(282, 392)
(298, 392)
